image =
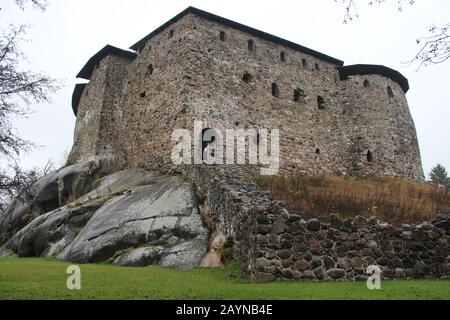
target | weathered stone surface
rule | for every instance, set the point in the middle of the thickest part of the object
(313, 225)
(345, 251)
(264, 277)
(279, 227)
(372, 244)
(400, 273)
(163, 214)
(336, 273)
(444, 223)
(49, 193)
(335, 222)
(329, 262)
(348, 127)
(316, 262)
(301, 265)
(48, 234)
(262, 262)
(284, 254)
(297, 274)
(309, 275)
(140, 256)
(301, 247)
(133, 217)
(320, 273)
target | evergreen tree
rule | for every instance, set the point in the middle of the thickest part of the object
(438, 176)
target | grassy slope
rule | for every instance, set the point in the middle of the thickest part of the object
(46, 279)
(394, 200)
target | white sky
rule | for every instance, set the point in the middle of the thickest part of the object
(69, 32)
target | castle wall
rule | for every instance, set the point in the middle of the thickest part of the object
(99, 112)
(155, 99)
(87, 126)
(226, 101)
(381, 128)
(110, 138)
(194, 71)
(334, 139)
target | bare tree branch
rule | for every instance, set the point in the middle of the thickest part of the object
(435, 48)
(16, 183)
(17, 85)
(18, 88)
(40, 4)
(351, 10)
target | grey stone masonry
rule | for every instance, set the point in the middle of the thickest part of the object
(351, 120)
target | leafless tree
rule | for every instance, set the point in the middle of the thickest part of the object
(15, 86)
(434, 48)
(18, 89)
(16, 183)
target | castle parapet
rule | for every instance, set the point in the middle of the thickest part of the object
(368, 69)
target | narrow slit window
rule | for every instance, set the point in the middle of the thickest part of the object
(369, 156)
(304, 63)
(171, 34)
(298, 94)
(283, 56)
(222, 35)
(247, 77)
(251, 45)
(320, 102)
(275, 90)
(390, 92)
(317, 66)
(366, 83)
(149, 70)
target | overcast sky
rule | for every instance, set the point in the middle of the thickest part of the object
(69, 32)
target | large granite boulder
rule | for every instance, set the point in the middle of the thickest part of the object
(48, 234)
(131, 217)
(156, 223)
(49, 193)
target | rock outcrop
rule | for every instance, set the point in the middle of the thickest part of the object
(49, 193)
(131, 217)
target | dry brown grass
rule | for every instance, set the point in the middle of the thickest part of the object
(395, 200)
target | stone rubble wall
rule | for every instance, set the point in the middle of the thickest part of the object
(290, 248)
(233, 207)
(271, 243)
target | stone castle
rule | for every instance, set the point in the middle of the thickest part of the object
(121, 199)
(346, 120)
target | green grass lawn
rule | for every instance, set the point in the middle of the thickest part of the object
(46, 279)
